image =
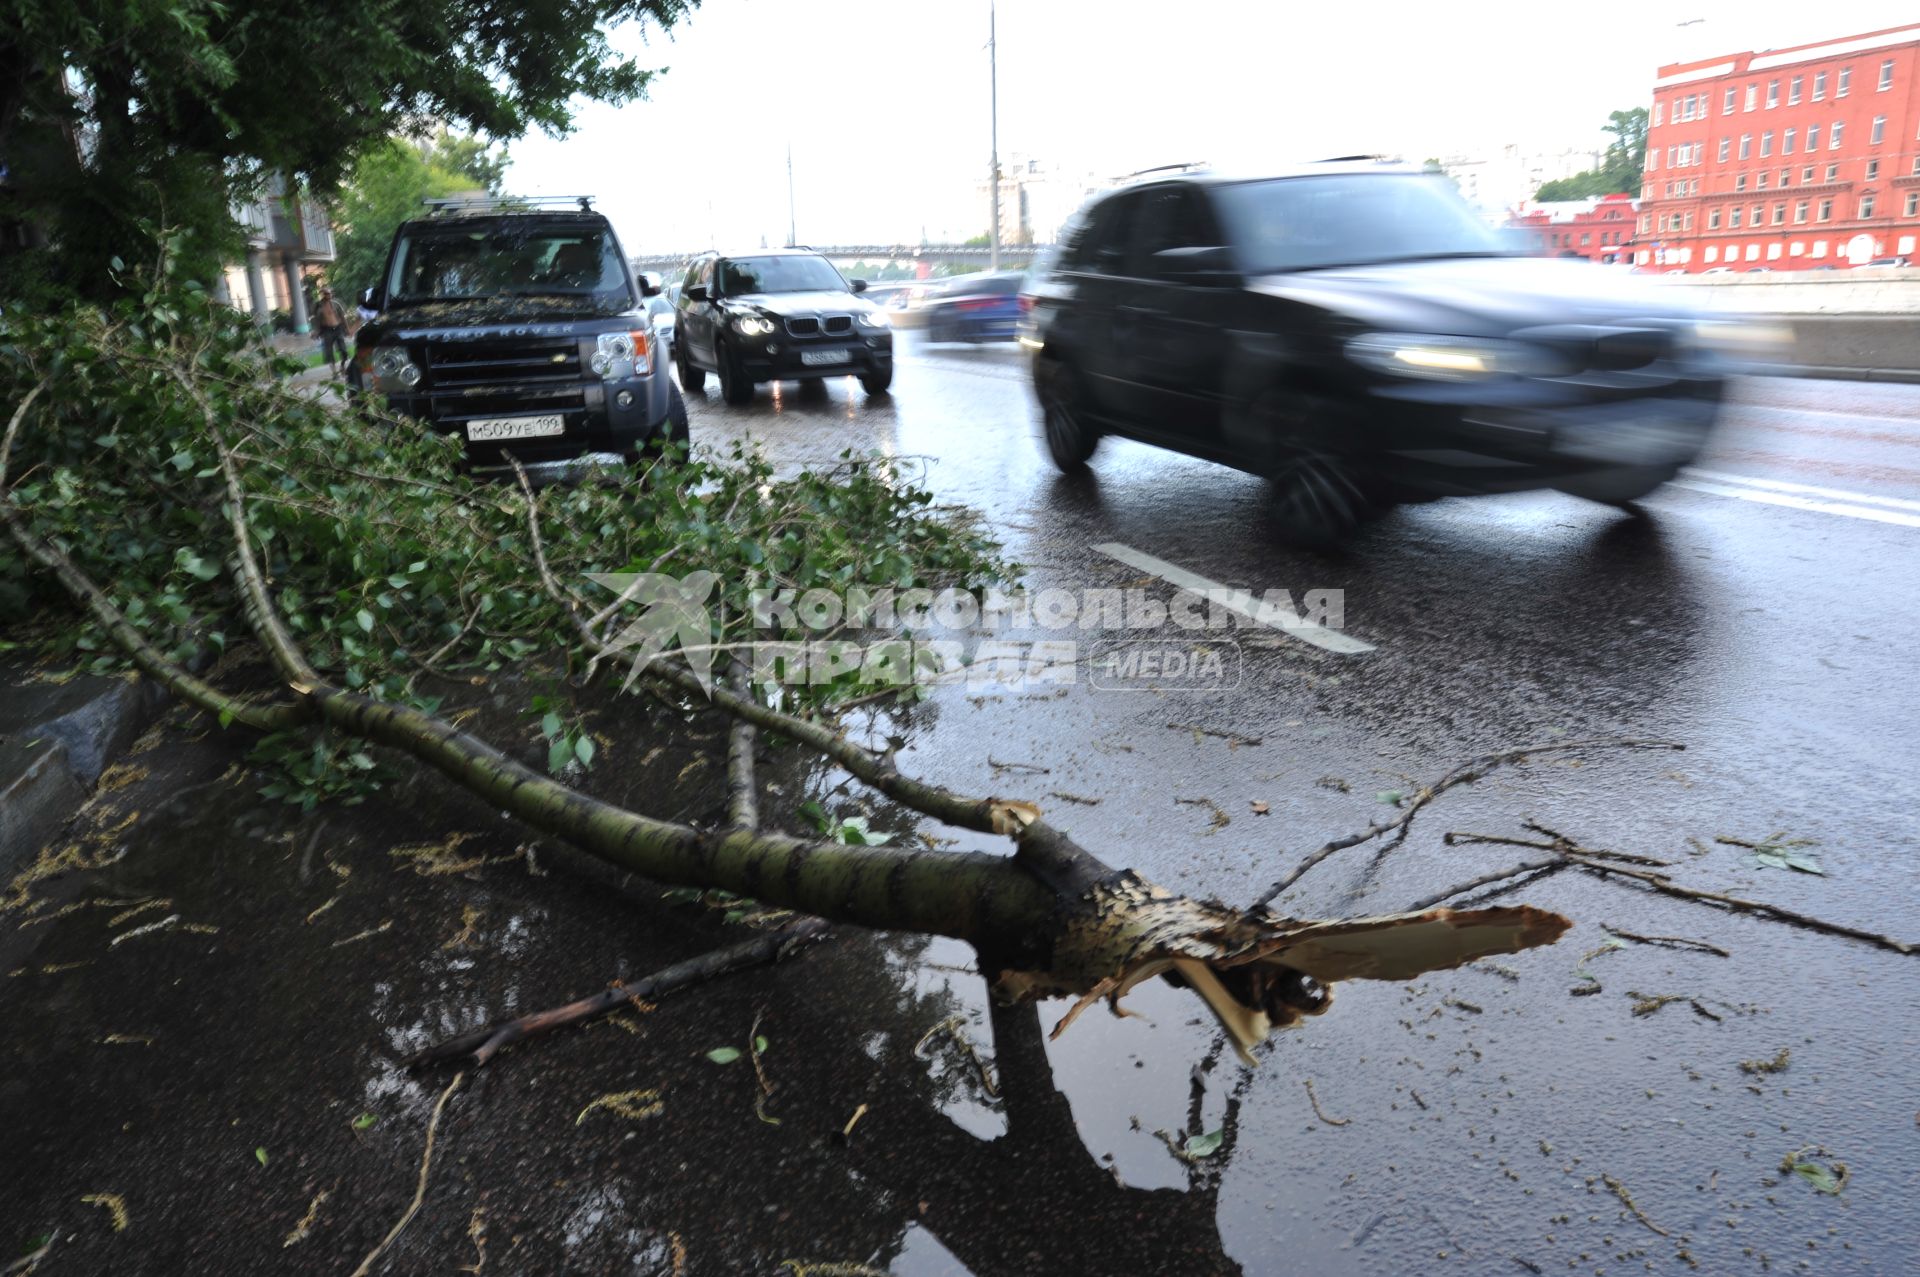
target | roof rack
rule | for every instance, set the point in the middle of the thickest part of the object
(453, 205)
(1162, 168)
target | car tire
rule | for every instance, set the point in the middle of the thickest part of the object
(678, 433)
(1618, 487)
(1070, 440)
(1323, 491)
(877, 382)
(693, 380)
(735, 386)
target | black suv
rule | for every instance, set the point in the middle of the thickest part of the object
(777, 315)
(523, 331)
(1355, 332)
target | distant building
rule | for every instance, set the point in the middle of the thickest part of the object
(1500, 181)
(1037, 197)
(287, 232)
(1785, 159)
(1600, 229)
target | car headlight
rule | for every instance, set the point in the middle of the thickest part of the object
(1440, 358)
(618, 355)
(753, 325)
(390, 369)
(873, 319)
(1739, 339)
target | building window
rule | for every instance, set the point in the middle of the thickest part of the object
(1746, 145)
(1766, 144)
(1806, 174)
(1833, 172)
(1879, 131)
(1786, 177)
(1753, 96)
(1713, 253)
(1845, 80)
(1586, 239)
(1760, 183)
(1797, 249)
(1759, 212)
(1873, 170)
(1773, 94)
(1659, 112)
(1686, 220)
(1740, 182)
(1819, 87)
(1833, 138)
(1733, 217)
(1793, 90)
(1813, 137)
(1866, 207)
(1726, 106)
(1753, 252)
(1713, 219)
(1916, 166)
(1826, 211)
(1779, 214)
(1726, 148)
(1819, 248)
(1913, 203)
(1799, 212)
(1886, 75)
(1786, 142)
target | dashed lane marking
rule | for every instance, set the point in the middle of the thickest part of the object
(1804, 496)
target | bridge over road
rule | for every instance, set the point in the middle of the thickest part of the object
(1011, 255)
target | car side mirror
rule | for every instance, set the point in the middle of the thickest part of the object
(696, 293)
(858, 285)
(371, 299)
(1211, 264)
(648, 288)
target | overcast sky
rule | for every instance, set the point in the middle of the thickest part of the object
(885, 102)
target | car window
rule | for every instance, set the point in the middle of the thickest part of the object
(1169, 217)
(1359, 219)
(782, 274)
(695, 275)
(1105, 247)
(454, 261)
(657, 306)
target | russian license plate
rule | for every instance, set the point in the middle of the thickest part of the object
(484, 429)
(817, 358)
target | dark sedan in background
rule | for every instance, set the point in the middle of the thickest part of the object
(1354, 332)
(975, 308)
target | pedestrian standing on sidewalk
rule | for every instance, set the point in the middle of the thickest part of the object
(331, 320)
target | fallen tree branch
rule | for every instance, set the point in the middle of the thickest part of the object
(1464, 774)
(1607, 864)
(482, 1045)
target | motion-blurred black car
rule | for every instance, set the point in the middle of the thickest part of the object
(521, 330)
(777, 315)
(1355, 332)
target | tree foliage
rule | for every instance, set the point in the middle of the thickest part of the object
(1621, 170)
(384, 189)
(119, 117)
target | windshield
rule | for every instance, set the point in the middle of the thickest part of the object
(456, 263)
(780, 275)
(659, 308)
(1351, 219)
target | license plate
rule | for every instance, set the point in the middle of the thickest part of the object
(485, 429)
(815, 358)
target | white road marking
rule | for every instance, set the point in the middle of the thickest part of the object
(1803, 489)
(1241, 602)
(1792, 502)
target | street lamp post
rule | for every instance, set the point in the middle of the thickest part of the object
(993, 180)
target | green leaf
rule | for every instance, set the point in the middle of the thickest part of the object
(682, 895)
(365, 618)
(551, 726)
(364, 1121)
(1821, 1177)
(1205, 1145)
(226, 718)
(814, 814)
(724, 1054)
(760, 1045)
(260, 1155)
(559, 754)
(583, 748)
(1391, 797)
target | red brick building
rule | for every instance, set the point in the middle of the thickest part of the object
(1596, 229)
(1787, 159)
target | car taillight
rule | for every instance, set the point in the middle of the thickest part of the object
(975, 303)
(1026, 305)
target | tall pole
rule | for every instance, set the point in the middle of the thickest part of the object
(793, 235)
(993, 72)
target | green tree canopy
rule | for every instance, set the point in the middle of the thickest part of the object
(118, 116)
(383, 190)
(1621, 170)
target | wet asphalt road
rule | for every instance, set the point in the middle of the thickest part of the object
(1762, 613)
(226, 1072)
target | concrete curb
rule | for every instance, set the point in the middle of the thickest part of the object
(55, 741)
(1899, 376)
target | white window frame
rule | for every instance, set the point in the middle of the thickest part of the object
(1773, 94)
(1879, 133)
(1886, 75)
(1844, 85)
(1793, 89)
(1866, 205)
(1833, 135)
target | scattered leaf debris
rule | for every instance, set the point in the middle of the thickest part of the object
(1318, 1111)
(302, 1229)
(116, 1206)
(1778, 1064)
(1829, 1176)
(1220, 818)
(1620, 1191)
(634, 1105)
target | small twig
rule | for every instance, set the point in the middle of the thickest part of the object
(1465, 774)
(1672, 942)
(1035, 768)
(1064, 796)
(1318, 1111)
(420, 1189)
(846, 1132)
(1486, 879)
(1234, 739)
(1620, 1191)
